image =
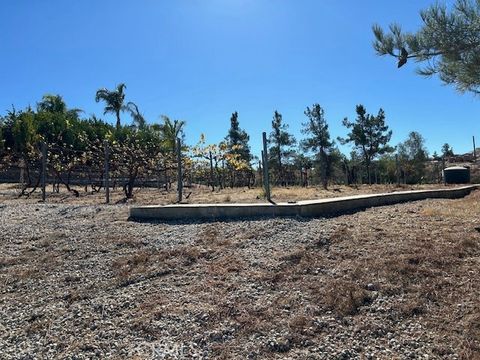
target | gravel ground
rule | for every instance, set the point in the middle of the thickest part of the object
(81, 282)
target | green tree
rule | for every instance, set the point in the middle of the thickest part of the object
(2, 137)
(238, 154)
(25, 135)
(370, 136)
(447, 42)
(303, 163)
(171, 130)
(135, 153)
(52, 104)
(114, 101)
(237, 139)
(387, 168)
(318, 139)
(413, 155)
(447, 150)
(138, 118)
(281, 142)
(55, 104)
(57, 124)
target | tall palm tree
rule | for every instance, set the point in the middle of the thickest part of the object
(113, 100)
(138, 118)
(171, 131)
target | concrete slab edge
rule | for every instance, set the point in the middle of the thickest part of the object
(309, 208)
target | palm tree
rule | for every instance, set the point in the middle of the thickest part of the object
(56, 104)
(52, 104)
(171, 131)
(113, 100)
(138, 118)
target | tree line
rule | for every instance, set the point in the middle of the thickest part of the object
(142, 149)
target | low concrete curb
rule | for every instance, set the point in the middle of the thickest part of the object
(310, 208)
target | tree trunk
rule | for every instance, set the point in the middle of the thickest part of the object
(128, 187)
(66, 183)
(347, 173)
(118, 119)
(280, 169)
(323, 158)
(369, 177)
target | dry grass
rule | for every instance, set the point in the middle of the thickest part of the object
(203, 194)
(370, 273)
(345, 297)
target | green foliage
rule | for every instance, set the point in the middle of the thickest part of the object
(447, 150)
(135, 152)
(237, 140)
(318, 140)
(448, 43)
(387, 168)
(317, 127)
(281, 141)
(138, 118)
(114, 101)
(2, 137)
(171, 130)
(74, 142)
(24, 134)
(142, 151)
(369, 134)
(212, 161)
(52, 104)
(413, 155)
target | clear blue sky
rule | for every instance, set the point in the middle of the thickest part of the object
(200, 60)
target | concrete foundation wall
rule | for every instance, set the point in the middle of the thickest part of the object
(311, 208)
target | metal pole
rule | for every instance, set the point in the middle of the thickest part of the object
(44, 169)
(265, 166)
(106, 170)
(179, 170)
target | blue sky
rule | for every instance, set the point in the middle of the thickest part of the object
(200, 60)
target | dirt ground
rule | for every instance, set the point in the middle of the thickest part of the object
(202, 194)
(393, 282)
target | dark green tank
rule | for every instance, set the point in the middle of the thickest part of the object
(456, 175)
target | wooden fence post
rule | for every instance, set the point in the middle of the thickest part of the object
(106, 171)
(179, 170)
(266, 178)
(474, 151)
(443, 172)
(212, 180)
(44, 170)
(397, 169)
